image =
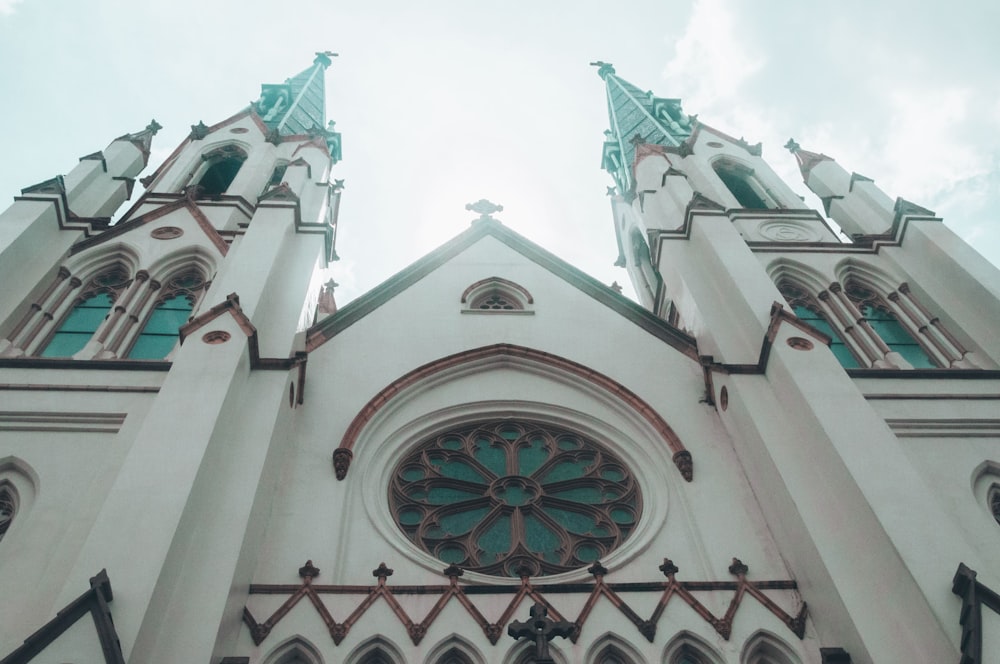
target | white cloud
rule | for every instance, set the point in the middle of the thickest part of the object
(7, 6)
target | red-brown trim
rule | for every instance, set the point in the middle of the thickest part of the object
(682, 458)
(493, 631)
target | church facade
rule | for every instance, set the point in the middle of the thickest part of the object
(786, 452)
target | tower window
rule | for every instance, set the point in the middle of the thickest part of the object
(884, 323)
(160, 333)
(223, 165)
(86, 317)
(808, 310)
(743, 186)
(994, 500)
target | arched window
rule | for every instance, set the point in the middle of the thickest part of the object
(92, 307)
(807, 309)
(994, 501)
(764, 648)
(160, 333)
(741, 183)
(496, 295)
(884, 323)
(8, 507)
(223, 165)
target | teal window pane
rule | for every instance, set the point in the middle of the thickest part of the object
(442, 495)
(567, 469)
(458, 470)
(462, 522)
(837, 345)
(531, 456)
(897, 337)
(575, 522)
(79, 326)
(65, 344)
(160, 334)
(540, 537)
(497, 537)
(491, 457)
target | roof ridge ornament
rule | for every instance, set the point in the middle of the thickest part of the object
(484, 208)
(324, 58)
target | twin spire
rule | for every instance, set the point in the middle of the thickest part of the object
(636, 117)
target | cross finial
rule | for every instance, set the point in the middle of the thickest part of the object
(323, 57)
(637, 139)
(603, 68)
(484, 208)
(792, 146)
(542, 629)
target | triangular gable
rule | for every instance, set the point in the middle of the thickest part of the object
(93, 602)
(181, 202)
(354, 311)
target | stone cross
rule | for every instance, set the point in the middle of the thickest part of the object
(484, 208)
(542, 629)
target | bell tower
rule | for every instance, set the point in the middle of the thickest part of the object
(797, 327)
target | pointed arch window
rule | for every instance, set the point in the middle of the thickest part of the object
(744, 187)
(222, 166)
(8, 508)
(807, 309)
(496, 295)
(160, 333)
(886, 325)
(994, 500)
(91, 309)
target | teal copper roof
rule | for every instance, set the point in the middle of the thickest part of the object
(298, 106)
(636, 116)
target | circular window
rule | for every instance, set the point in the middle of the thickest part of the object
(512, 497)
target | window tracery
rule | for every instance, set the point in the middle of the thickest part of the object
(886, 326)
(496, 295)
(222, 165)
(509, 497)
(994, 501)
(806, 308)
(160, 333)
(91, 309)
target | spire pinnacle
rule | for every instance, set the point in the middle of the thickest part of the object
(297, 106)
(807, 160)
(637, 116)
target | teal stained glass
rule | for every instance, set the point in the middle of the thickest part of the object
(837, 345)
(501, 496)
(896, 337)
(160, 334)
(79, 326)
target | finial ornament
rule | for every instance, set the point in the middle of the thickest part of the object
(484, 208)
(323, 58)
(541, 629)
(603, 68)
(792, 146)
(153, 127)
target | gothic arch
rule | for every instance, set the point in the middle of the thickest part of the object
(741, 182)
(455, 650)
(612, 649)
(376, 650)
(686, 648)
(86, 264)
(18, 489)
(801, 274)
(985, 488)
(512, 354)
(294, 650)
(524, 653)
(496, 294)
(763, 647)
(192, 257)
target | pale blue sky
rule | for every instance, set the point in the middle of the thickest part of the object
(442, 103)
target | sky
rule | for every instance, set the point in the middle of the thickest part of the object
(441, 102)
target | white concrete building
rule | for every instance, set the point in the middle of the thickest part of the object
(789, 453)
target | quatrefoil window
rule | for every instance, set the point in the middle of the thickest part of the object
(509, 497)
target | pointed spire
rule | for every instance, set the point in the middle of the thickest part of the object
(637, 117)
(807, 160)
(143, 139)
(297, 106)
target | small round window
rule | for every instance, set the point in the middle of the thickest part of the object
(513, 497)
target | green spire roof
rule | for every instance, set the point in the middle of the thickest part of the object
(636, 117)
(298, 106)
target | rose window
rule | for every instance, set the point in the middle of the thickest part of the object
(505, 498)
